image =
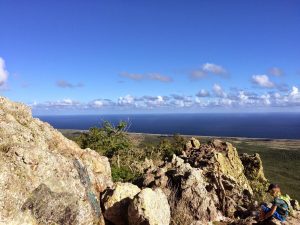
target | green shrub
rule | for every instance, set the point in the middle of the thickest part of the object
(169, 146)
(127, 159)
(123, 174)
(107, 140)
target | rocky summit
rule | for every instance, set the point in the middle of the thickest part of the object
(47, 179)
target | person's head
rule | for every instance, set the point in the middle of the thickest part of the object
(274, 190)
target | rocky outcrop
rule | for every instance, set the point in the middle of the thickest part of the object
(211, 183)
(116, 201)
(254, 172)
(149, 207)
(193, 143)
(46, 178)
(208, 180)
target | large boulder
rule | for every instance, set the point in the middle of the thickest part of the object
(185, 188)
(116, 200)
(149, 207)
(46, 178)
(191, 144)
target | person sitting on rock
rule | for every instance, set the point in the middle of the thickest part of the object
(280, 205)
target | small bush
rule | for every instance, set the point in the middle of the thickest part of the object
(170, 146)
(123, 174)
(107, 140)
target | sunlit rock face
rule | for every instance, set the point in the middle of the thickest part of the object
(46, 178)
(149, 207)
(116, 200)
(211, 182)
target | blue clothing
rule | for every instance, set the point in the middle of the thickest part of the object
(282, 206)
(276, 214)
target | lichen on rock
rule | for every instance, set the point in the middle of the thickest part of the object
(35, 158)
(253, 170)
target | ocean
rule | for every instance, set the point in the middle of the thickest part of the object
(251, 125)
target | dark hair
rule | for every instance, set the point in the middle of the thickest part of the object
(272, 186)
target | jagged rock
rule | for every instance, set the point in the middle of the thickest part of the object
(193, 143)
(295, 205)
(116, 200)
(185, 187)
(227, 162)
(217, 143)
(43, 174)
(253, 169)
(149, 207)
(210, 181)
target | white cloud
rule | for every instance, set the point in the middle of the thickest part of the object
(197, 74)
(67, 84)
(219, 92)
(295, 92)
(3, 72)
(67, 101)
(133, 76)
(207, 68)
(159, 77)
(244, 99)
(203, 93)
(275, 71)
(266, 99)
(213, 68)
(100, 103)
(262, 81)
(242, 96)
(147, 76)
(225, 102)
(126, 100)
(154, 101)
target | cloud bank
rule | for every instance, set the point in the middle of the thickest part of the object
(233, 99)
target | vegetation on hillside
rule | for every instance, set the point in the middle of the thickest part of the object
(125, 156)
(279, 157)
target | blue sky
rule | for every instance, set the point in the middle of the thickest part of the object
(87, 57)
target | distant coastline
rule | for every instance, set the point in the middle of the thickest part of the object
(65, 131)
(262, 126)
